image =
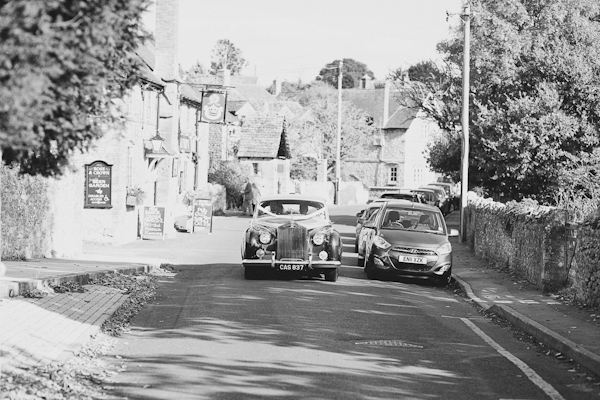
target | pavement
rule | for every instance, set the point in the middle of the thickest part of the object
(52, 328)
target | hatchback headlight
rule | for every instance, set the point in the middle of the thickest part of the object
(444, 249)
(265, 237)
(381, 242)
(318, 238)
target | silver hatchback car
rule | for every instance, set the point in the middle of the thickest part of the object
(408, 239)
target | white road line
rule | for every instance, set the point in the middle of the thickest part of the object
(531, 374)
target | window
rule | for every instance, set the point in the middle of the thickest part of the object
(393, 174)
(418, 175)
(256, 168)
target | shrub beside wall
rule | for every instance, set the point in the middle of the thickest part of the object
(26, 218)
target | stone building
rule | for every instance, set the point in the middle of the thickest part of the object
(396, 157)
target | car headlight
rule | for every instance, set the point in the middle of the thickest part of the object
(381, 242)
(444, 249)
(318, 238)
(265, 237)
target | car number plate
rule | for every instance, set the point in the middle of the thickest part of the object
(292, 267)
(413, 260)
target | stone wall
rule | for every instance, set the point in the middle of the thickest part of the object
(584, 266)
(531, 242)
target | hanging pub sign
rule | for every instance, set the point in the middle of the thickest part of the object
(213, 107)
(153, 222)
(98, 185)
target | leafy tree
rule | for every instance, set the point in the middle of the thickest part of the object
(318, 135)
(195, 73)
(61, 65)
(225, 50)
(304, 168)
(352, 72)
(534, 103)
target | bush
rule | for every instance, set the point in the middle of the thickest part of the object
(233, 176)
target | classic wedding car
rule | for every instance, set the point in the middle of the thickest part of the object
(291, 235)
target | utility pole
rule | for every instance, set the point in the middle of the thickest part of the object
(464, 180)
(338, 169)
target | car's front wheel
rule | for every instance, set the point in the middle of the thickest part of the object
(331, 275)
(369, 268)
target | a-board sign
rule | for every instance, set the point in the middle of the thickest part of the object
(202, 217)
(153, 222)
(98, 185)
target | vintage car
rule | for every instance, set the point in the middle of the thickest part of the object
(410, 240)
(291, 235)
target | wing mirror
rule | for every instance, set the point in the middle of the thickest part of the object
(359, 214)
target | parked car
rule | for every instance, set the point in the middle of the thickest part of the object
(291, 235)
(450, 193)
(407, 239)
(444, 200)
(404, 194)
(429, 195)
(361, 217)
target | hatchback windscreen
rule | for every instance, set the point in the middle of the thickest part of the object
(414, 220)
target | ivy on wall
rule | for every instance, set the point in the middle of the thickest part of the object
(26, 219)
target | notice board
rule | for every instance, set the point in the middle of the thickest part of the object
(202, 216)
(153, 222)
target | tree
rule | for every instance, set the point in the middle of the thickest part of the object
(352, 73)
(318, 134)
(226, 51)
(195, 73)
(61, 66)
(534, 101)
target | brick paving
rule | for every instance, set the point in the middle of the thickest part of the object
(52, 328)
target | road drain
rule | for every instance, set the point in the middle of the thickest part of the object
(390, 343)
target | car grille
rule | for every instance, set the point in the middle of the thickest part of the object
(413, 251)
(292, 242)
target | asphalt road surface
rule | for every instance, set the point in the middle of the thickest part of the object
(211, 334)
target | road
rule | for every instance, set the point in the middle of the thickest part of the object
(211, 334)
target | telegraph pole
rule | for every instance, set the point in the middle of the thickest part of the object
(338, 169)
(464, 180)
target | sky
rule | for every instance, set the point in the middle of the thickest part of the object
(293, 39)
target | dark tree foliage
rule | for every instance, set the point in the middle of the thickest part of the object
(62, 63)
(534, 99)
(352, 72)
(226, 51)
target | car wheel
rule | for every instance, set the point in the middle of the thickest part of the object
(369, 269)
(443, 281)
(331, 275)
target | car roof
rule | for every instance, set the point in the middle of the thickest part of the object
(293, 196)
(411, 204)
(424, 189)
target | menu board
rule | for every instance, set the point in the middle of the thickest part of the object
(202, 217)
(98, 185)
(153, 222)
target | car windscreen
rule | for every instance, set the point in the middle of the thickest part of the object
(289, 207)
(414, 220)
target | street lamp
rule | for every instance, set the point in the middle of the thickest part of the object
(338, 167)
(157, 142)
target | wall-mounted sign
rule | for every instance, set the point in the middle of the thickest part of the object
(98, 185)
(153, 222)
(202, 218)
(213, 107)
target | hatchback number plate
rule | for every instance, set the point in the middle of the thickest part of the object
(412, 260)
(293, 267)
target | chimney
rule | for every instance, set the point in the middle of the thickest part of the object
(386, 103)
(224, 77)
(166, 40)
(277, 85)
